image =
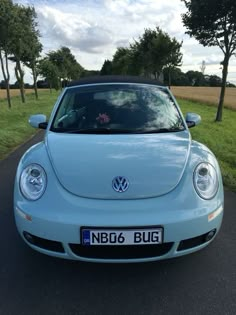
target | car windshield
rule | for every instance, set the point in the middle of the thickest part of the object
(117, 108)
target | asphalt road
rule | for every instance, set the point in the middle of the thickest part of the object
(32, 283)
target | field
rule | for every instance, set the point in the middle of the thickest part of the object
(219, 137)
(15, 92)
(208, 95)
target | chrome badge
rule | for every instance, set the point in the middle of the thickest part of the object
(120, 184)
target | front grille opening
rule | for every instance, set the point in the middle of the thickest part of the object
(196, 241)
(120, 251)
(44, 243)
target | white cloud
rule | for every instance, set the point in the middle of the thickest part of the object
(72, 30)
(93, 29)
(101, 26)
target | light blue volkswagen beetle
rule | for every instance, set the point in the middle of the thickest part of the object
(118, 177)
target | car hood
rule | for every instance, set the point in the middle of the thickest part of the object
(87, 164)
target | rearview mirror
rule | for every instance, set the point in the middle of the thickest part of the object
(192, 119)
(38, 121)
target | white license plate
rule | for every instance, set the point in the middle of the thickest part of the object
(122, 237)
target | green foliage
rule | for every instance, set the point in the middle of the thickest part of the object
(196, 78)
(6, 21)
(214, 80)
(124, 61)
(178, 77)
(218, 137)
(49, 71)
(149, 55)
(106, 68)
(25, 45)
(67, 66)
(192, 78)
(212, 22)
(158, 51)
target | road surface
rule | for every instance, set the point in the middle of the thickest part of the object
(32, 283)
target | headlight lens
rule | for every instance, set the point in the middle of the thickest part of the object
(205, 180)
(33, 181)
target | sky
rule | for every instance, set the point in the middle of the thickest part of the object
(93, 29)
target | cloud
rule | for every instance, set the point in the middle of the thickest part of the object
(93, 29)
(99, 27)
(72, 30)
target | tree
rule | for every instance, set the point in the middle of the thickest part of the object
(121, 61)
(214, 80)
(173, 57)
(67, 66)
(196, 78)
(50, 72)
(148, 55)
(106, 68)
(213, 23)
(31, 57)
(25, 46)
(158, 51)
(126, 60)
(6, 20)
(178, 78)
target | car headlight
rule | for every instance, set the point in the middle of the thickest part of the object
(33, 181)
(205, 180)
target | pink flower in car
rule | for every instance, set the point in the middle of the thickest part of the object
(103, 118)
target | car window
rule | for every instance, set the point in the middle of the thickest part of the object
(117, 108)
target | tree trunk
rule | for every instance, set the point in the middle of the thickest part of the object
(8, 81)
(8, 94)
(50, 86)
(20, 78)
(222, 92)
(169, 78)
(6, 76)
(35, 82)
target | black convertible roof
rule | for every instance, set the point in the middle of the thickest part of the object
(114, 79)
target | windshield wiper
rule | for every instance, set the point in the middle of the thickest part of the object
(98, 131)
(117, 131)
(161, 130)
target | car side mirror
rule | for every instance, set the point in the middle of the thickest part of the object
(38, 121)
(192, 119)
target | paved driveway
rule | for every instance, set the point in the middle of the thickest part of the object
(32, 283)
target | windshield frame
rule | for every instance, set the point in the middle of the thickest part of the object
(165, 89)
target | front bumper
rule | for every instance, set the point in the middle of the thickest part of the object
(56, 232)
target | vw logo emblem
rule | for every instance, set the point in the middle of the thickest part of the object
(120, 184)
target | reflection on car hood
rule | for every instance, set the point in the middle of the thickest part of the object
(87, 164)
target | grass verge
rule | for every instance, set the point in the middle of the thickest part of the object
(15, 128)
(219, 137)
